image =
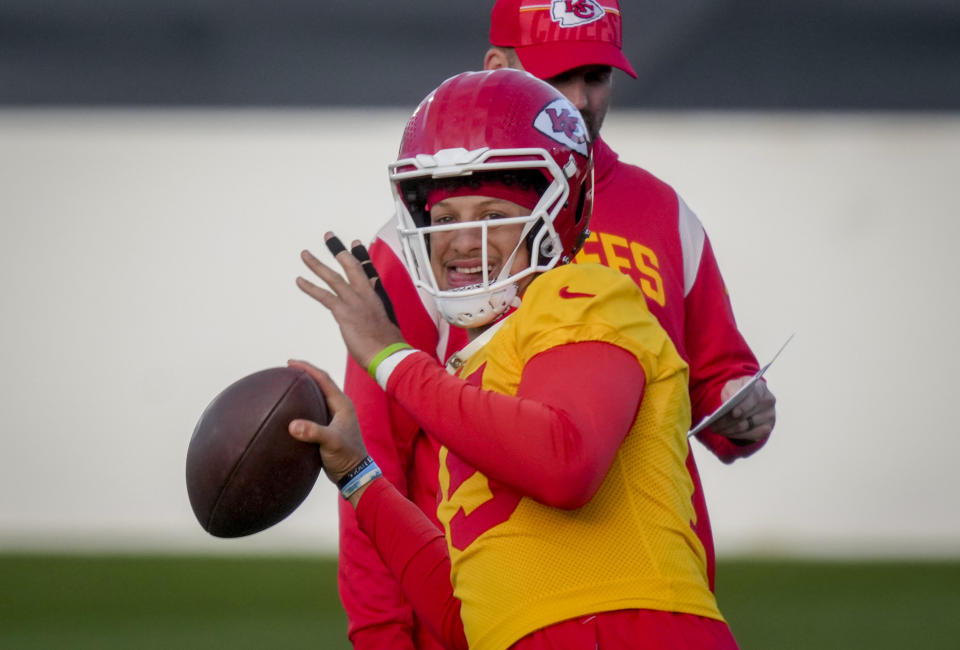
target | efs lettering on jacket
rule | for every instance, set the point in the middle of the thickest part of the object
(629, 257)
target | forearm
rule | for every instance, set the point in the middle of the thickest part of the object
(379, 616)
(416, 553)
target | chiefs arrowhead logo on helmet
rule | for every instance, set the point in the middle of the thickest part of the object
(573, 13)
(561, 121)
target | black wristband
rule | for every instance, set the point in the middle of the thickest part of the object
(352, 474)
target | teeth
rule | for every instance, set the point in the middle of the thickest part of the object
(471, 269)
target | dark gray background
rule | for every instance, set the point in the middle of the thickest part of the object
(736, 54)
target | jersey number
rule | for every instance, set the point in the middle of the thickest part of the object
(466, 528)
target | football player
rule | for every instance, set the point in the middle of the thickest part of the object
(560, 428)
(640, 226)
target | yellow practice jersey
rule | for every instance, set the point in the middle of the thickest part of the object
(526, 565)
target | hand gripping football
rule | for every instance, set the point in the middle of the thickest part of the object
(245, 473)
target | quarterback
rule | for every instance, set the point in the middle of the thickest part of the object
(640, 226)
(559, 429)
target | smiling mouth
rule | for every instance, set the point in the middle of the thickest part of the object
(463, 277)
(467, 270)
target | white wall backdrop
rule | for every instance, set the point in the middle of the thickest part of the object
(148, 260)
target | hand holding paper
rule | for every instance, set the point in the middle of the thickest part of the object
(737, 397)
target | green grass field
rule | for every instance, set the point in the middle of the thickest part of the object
(106, 602)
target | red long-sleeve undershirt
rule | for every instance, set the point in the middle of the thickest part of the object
(414, 550)
(553, 442)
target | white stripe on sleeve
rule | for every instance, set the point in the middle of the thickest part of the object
(692, 237)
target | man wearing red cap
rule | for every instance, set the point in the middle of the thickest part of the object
(552, 38)
(640, 226)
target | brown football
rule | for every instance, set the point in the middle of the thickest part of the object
(245, 473)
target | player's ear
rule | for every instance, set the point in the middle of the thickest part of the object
(495, 58)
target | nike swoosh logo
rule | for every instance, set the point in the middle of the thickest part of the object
(566, 293)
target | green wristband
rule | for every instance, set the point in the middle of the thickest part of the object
(383, 354)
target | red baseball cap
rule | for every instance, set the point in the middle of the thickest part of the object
(553, 36)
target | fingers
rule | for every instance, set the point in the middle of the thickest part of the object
(332, 279)
(307, 431)
(338, 404)
(340, 442)
(757, 398)
(730, 388)
(352, 267)
(747, 406)
(357, 268)
(319, 294)
(753, 418)
(334, 245)
(362, 311)
(318, 375)
(361, 276)
(755, 427)
(360, 252)
(759, 401)
(749, 429)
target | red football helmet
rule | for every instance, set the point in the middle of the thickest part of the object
(494, 123)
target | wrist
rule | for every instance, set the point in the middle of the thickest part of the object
(365, 472)
(383, 363)
(356, 496)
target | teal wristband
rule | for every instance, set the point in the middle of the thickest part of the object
(368, 474)
(383, 354)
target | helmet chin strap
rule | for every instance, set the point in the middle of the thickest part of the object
(479, 309)
(507, 267)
